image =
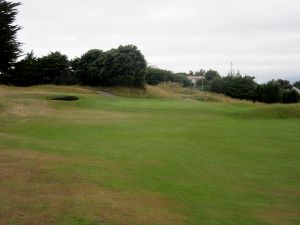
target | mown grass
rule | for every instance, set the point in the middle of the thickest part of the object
(123, 160)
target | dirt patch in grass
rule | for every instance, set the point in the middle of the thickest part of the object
(33, 193)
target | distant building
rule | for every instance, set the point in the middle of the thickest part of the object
(194, 79)
(297, 89)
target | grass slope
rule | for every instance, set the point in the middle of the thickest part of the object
(145, 161)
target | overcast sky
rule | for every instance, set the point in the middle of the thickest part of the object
(260, 37)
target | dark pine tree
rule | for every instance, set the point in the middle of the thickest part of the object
(9, 46)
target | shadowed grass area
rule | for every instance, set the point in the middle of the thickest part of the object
(65, 98)
(123, 160)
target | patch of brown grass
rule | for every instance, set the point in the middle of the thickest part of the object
(101, 116)
(283, 217)
(33, 193)
(25, 109)
(179, 92)
(29, 108)
(171, 91)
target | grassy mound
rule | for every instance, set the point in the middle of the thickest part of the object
(276, 111)
(170, 91)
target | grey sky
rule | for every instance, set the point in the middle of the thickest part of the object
(261, 37)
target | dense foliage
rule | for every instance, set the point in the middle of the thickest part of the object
(124, 66)
(238, 86)
(269, 92)
(277, 91)
(87, 67)
(284, 84)
(54, 69)
(25, 72)
(155, 76)
(290, 96)
(217, 85)
(51, 69)
(211, 74)
(235, 86)
(244, 87)
(9, 46)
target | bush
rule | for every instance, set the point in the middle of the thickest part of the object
(242, 87)
(155, 76)
(217, 85)
(87, 69)
(54, 69)
(182, 79)
(269, 92)
(235, 86)
(124, 66)
(290, 96)
(211, 74)
(51, 69)
(26, 72)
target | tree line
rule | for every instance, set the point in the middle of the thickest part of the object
(245, 87)
(233, 85)
(122, 66)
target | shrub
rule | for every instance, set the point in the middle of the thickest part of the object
(290, 96)
(54, 68)
(124, 66)
(87, 69)
(211, 74)
(269, 92)
(155, 76)
(217, 85)
(236, 86)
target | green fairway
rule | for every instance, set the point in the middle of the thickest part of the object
(146, 161)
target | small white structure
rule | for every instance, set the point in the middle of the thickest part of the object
(297, 89)
(194, 79)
